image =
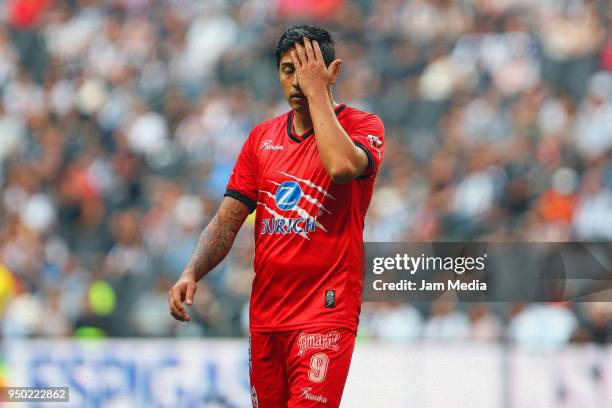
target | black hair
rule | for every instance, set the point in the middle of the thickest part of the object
(297, 33)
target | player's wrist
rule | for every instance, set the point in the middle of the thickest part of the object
(317, 96)
(189, 274)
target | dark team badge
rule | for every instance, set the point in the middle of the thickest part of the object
(330, 298)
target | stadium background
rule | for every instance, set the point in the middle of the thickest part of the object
(120, 121)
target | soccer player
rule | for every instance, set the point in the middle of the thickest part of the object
(309, 173)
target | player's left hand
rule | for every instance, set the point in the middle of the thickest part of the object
(312, 75)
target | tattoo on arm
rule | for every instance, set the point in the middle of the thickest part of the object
(218, 237)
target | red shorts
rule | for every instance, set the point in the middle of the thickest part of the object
(299, 368)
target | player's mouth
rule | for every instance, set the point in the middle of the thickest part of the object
(298, 97)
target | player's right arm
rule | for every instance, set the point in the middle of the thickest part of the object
(217, 238)
(213, 245)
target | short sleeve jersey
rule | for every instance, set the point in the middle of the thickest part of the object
(308, 229)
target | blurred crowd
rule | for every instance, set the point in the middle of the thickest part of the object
(120, 121)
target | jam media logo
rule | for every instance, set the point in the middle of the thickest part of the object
(318, 341)
(287, 195)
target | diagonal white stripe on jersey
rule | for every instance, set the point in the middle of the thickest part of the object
(309, 184)
(308, 198)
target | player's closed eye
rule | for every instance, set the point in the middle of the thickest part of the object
(287, 69)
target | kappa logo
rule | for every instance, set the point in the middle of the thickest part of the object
(318, 341)
(374, 141)
(267, 145)
(306, 394)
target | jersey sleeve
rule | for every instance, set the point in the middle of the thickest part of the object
(242, 183)
(369, 135)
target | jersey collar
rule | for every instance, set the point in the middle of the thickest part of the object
(298, 138)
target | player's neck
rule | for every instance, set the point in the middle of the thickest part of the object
(302, 121)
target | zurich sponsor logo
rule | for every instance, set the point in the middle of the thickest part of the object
(300, 196)
(287, 195)
(288, 225)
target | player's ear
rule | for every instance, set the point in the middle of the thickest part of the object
(334, 69)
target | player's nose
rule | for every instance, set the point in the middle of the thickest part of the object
(295, 83)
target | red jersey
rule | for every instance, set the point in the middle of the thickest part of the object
(308, 229)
